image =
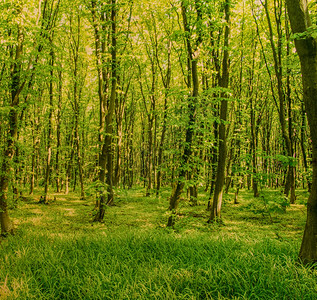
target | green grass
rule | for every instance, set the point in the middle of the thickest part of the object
(57, 253)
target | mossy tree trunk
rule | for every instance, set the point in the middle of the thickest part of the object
(106, 155)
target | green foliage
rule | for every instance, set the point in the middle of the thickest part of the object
(269, 202)
(310, 33)
(96, 188)
(286, 161)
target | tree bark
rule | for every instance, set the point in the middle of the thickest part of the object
(224, 82)
(306, 47)
(44, 199)
(278, 68)
(192, 80)
(106, 157)
(77, 87)
(9, 151)
(58, 131)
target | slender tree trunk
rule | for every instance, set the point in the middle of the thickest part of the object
(166, 82)
(192, 103)
(75, 40)
(224, 82)
(254, 150)
(277, 57)
(58, 132)
(69, 163)
(44, 199)
(291, 167)
(36, 143)
(161, 146)
(118, 154)
(149, 156)
(120, 113)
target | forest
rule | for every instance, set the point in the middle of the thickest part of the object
(158, 149)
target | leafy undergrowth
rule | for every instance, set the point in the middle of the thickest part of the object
(58, 253)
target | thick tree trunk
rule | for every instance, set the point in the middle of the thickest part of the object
(6, 224)
(5, 221)
(9, 151)
(307, 50)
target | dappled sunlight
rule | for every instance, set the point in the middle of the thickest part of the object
(69, 212)
(134, 242)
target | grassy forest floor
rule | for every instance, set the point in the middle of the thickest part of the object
(58, 253)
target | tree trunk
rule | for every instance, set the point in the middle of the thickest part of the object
(77, 86)
(224, 82)
(254, 152)
(6, 170)
(106, 157)
(306, 47)
(9, 151)
(44, 199)
(58, 132)
(192, 103)
(278, 68)
(302, 144)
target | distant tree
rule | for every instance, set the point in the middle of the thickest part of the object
(50, 13)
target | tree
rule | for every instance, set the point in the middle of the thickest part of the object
(15, 84)
(223, 83)
(78, 83)
(107, 76)
(50, 12)
(192, 82)
(306, 46)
